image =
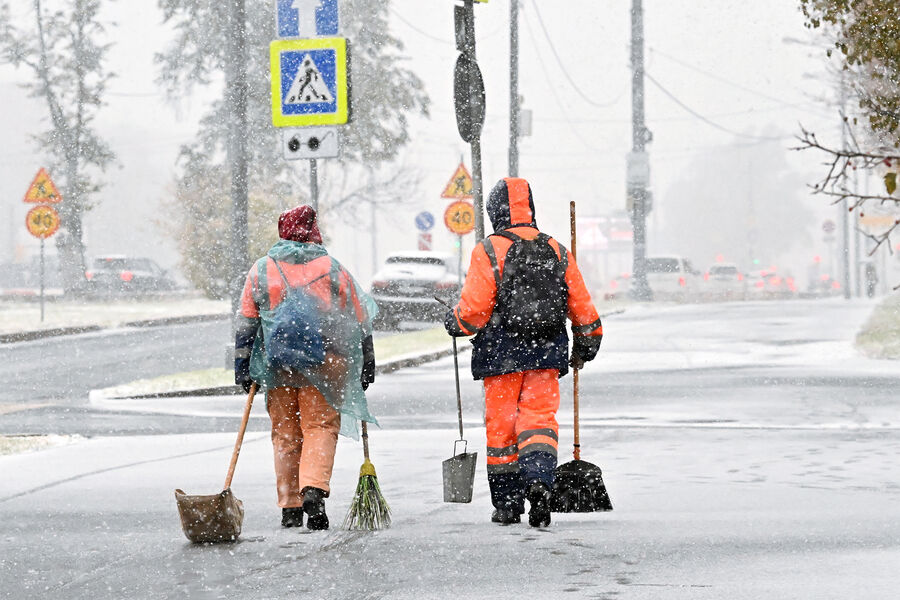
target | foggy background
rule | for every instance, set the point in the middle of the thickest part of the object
(724, 184)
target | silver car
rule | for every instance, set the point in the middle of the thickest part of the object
(405, 286)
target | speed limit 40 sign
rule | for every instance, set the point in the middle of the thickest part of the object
(42, 221)
(460, 217)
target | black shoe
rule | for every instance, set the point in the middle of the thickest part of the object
(505, 516)
(314, 507)
(292, 517)
(539, 497)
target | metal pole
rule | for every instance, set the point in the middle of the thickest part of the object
(477, 193)
(640, 288)
(42, 280)
(845, 214)
(857, 250)
(314, 183)
(514, 88)
(236, 98)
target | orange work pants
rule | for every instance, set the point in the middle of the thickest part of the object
(522, 432)
(304, 437)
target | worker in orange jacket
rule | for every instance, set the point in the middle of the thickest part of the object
(520, 288)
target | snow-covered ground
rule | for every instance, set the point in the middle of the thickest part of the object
(748, 449)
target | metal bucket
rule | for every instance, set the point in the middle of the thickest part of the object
(459, 475)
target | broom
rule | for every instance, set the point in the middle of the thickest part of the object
(578, 485)
(369, 510)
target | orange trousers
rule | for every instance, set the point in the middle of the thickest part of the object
(304, 437)
(520, 417)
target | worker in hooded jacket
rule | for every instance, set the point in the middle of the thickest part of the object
(521, 371)
(308, 407)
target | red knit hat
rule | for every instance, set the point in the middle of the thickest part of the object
(299, 225)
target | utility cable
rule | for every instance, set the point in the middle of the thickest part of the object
(562, 67)
(690, 110)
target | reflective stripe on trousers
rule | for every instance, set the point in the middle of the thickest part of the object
(520, 417)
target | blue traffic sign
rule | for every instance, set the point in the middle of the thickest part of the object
(309, 82)
(424, 221)
(306, 18)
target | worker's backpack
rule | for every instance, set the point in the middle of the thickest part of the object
(533, 297)
(295, 338)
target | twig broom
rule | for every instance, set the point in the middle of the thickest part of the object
(369, 510)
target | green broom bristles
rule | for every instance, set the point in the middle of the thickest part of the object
(369, 510)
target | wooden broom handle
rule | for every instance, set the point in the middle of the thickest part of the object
(577, 450)
(240, 437)
(365, 437)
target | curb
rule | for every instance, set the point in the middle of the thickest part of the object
(27, 336)
(396, 364)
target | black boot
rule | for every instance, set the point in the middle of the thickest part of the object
(292, 517)
(506, 516)
(539, 497)
(314, 507)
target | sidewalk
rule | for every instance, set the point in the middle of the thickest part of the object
(698, 514)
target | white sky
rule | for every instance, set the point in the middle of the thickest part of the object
(577, 151)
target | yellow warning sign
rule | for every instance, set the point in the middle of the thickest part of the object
(460, 217)
(42, 221)
(42, 190)
(460, 185)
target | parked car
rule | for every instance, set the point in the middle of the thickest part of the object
(768, 284)
(617, 287)
(404, 288)
(672, 278)
(724, 281)
(123, 274)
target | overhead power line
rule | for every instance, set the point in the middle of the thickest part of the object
(713, 124)
(562, 66)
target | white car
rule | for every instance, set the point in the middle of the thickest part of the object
(672, 278)
(405, 286)
(724, 281)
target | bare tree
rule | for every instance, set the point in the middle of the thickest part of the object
(65, 52)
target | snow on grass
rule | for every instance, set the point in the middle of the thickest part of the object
(880, 336)
(18, 316)
(14, 444)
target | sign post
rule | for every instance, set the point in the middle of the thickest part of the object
(469, 101)
(460, 219)
(42, 222)
(310, 81)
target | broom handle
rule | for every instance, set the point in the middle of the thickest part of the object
(458, 397)
(240, 437)
(365, 436)
(577, 450)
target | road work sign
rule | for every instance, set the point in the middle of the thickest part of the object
(306, 18)
(460, 185)
(42, 190)
(460, 217)
(309, 82)
(42, 221)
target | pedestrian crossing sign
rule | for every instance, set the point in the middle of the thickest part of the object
(309, 82)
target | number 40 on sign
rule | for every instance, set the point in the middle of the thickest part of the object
(460, 217)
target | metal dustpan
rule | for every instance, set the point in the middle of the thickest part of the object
(217, 517)
(459, 475)
(459, 470)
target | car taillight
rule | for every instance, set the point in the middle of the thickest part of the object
(760, 284)
(740, 277)
(379, 285)
(613, 284)
(445, 285)
(88, 275)
(682, 282)
(126, 275)
(776, 281)
(836, 285)
(706, 276)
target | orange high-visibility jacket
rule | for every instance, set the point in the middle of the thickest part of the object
(511, 208)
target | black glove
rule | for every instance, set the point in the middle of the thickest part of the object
(368, 370)
(576, 362)
(247, 384)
